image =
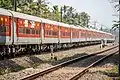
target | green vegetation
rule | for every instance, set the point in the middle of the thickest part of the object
(112, 73)
(40, 8)
(8, 70)
(116, 24)
(114, 70)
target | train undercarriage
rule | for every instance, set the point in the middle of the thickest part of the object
(10, 51)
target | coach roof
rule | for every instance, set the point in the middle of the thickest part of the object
(26, 16)
(64, 25)
(5, 12)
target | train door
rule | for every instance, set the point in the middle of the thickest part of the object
(5, 30)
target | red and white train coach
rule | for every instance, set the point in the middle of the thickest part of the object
(22, 32)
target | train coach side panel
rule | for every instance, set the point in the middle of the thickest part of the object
(27, 32)
(75, 35)
(50, 33)
(65, 34)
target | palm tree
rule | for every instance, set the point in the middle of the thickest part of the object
(6, 4)
(117, 7)
(65, 9)
(41, 7)
(84, 18)
(56, 13)
(116, 25)
(70, 15)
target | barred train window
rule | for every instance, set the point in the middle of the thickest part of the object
(55, 33)
(20, 30)
(50, 33)
(37, 31)
(47, 32)
(27, 31)
(63, 34)
(33, 31)
(3, 29)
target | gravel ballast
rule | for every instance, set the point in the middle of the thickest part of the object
(36, 63)
(66, 72)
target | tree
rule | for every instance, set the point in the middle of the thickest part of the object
(116, 24)
(65, 10)
(40, 8)
(117, 7)
(56, 13)
(84, 19)
(6, 4)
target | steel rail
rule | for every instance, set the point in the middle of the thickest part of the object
(53, 68)
(78, 75)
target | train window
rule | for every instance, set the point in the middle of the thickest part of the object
(21, 22)
(28, 31)
(24, 31)
(55, 33)
(74, 34)
(33, 31)
(1, 29)
(4, 29)
(37, 31)
(50, 32)
(47, 32)
(68, 33)
(20, 30)
(82, 34)
(63, 33)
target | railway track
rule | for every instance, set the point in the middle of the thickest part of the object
(51, 69)
(81, 73)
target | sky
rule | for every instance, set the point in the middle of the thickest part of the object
(99, 10)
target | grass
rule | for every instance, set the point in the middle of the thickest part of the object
(9, 70)
(112, 73)
(114, 70)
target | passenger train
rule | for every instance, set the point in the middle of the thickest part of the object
(22, 32)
